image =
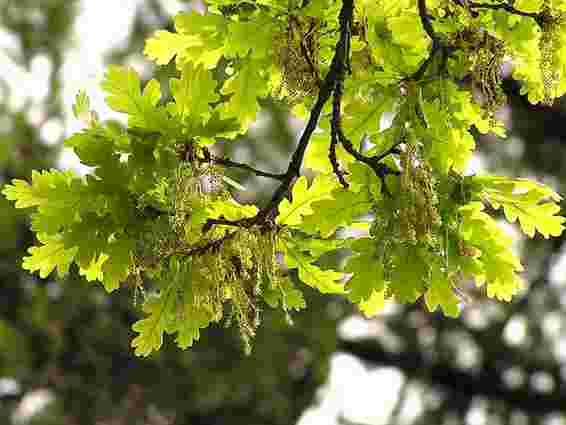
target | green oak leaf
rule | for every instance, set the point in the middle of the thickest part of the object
(344, 208)
(441, 294)
(368, 275)
(193, 93)
(59, 197)
(409, 274)
(374, 304)
(292, 212)
(200, 39)
(254, 36)
(316, 156)
(244, 88)
(532, 204)
(117, 267)
(51, 255)
(164, 45)
(230, 209)
(161, 311)
(282, 292)
(123, 94)
(326, 281)
(498, 266)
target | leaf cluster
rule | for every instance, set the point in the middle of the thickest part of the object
(384, 90)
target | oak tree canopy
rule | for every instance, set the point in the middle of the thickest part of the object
(390, 92)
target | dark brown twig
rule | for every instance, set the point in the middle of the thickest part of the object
(337, 133)
(342, 64)
(437, 45)
(212, 245)
(506, 7)
(380, 169)
(334, 161)
(342, 56)
(225, 162)
(392, 150)
(427, 24)
(293, 170)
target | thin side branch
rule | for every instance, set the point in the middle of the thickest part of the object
(225, 162)
(427, 24)
(337, 133)
(342, 64)
(334, 160)
(211, 246)
(380, 169)
(392, 150)
(506, 7)
(437, 45)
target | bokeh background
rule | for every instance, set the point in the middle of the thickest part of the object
(64, 344)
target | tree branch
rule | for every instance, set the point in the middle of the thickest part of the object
(225, 162)
(337, 133)
(380, 169)
(212, 245)
(334, 160)
(427, 24)
(336, 120)
(437, 44)
(293, 170)
(392, 150)
(504, 6)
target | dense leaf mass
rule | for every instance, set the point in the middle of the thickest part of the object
(390, 92)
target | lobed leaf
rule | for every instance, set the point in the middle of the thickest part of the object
(292, 212)
(532, 204)
(51, 255)
(325, 281)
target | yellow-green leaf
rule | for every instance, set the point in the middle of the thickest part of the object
(292, 212)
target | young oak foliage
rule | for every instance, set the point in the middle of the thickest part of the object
(387, 130)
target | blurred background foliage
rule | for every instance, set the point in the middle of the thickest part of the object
(64, 345)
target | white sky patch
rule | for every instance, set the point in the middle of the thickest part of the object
(356, 327)
(95, 32)
(476, 164)
(172, 7)
(36, 115)
(69, 160)
(32, 403)
(515, 333)
(356, 393)
(9, 43)
(52, 131)
(477, 415)
(559, 351)
(557, 274)
(24, 86)
(413, 405)
(360, 403)
(9, 386)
